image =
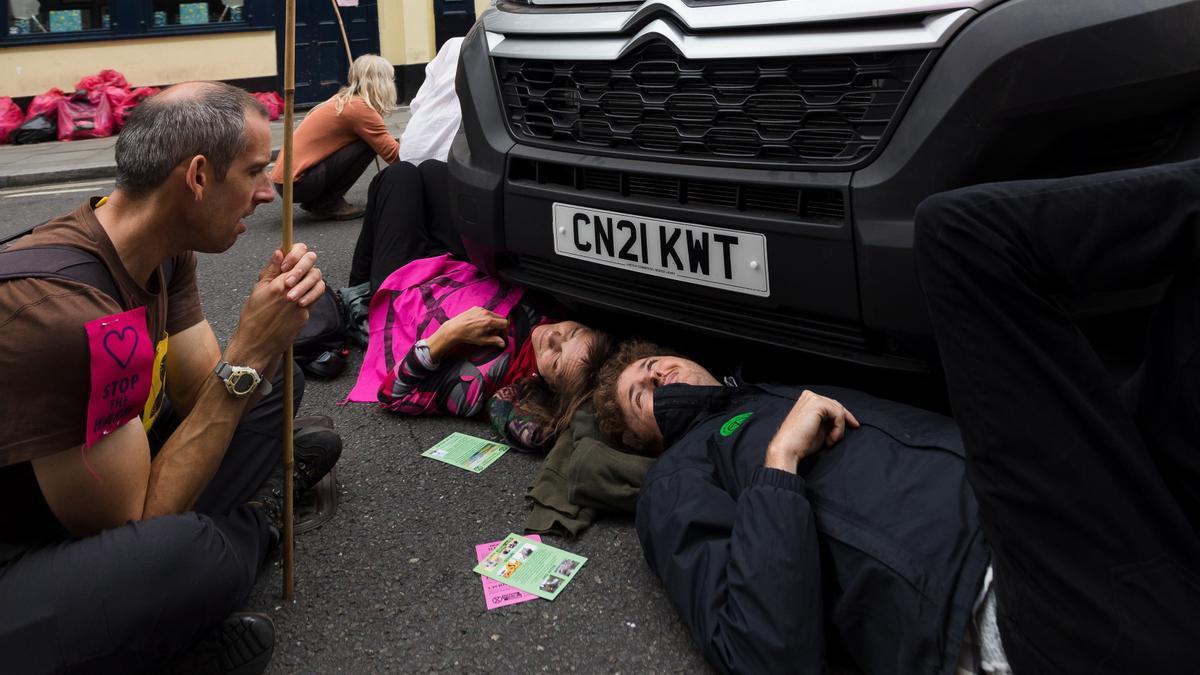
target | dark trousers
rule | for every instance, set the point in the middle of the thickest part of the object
(408, 217)
(327, 181)
(129, 598)
(1089, 500)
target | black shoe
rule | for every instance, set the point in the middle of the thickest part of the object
(316, 447)
(305, 421)
(338, 210)
(327, 365)
(269, 499)
(242, 644)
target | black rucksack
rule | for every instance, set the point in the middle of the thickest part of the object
(320, 348)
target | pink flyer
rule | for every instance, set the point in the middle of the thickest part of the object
(496, 594)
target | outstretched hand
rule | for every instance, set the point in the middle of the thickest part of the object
(815, 422)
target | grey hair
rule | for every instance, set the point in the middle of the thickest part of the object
(174, 126)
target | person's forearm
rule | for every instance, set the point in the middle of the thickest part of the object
(744, 574)
(440, 342)
(191, 456)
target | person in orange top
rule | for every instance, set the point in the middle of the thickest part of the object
(338, 139)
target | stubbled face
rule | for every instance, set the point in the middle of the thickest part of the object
(561, 350)
(635, 391)
(228, 202)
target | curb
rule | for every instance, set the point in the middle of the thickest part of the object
(393, 121)
(69, 175)
(61, 176)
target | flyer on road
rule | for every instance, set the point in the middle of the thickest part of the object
(466, 452)
(531, 566)
(496, 594)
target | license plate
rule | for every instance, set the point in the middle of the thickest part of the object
(697, 254)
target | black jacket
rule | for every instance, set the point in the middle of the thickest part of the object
(873, 551)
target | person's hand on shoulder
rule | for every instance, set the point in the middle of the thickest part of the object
(278, 305)
(813, 423)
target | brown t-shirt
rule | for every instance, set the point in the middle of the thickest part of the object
(44, 365)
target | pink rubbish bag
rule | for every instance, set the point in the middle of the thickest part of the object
(86, 114)
(116, 100)
(105, 78)
(116, 95)
(272, 101)
(121, 112)
(11, 117)
(45, 104)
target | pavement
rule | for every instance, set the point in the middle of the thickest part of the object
(59, 162)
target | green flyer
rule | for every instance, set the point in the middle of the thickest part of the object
(466, 452)
(531, 566)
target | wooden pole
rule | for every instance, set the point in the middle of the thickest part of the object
(337, 11)
(289, 112)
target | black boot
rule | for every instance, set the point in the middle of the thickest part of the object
(242, 644)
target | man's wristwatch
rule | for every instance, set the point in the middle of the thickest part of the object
(241, 381)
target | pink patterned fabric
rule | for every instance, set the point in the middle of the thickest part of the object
(410, 304)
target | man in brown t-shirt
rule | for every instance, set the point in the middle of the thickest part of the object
(125, 536)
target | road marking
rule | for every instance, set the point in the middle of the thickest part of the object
(83, 187)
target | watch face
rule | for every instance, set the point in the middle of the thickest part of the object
(242, 383)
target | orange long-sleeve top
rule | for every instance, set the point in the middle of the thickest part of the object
(324, 132)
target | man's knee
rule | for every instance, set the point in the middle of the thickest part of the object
(124, 599)
(933, 216)
(192, 562)
(953, 232)
(399, 176)
(170, 579)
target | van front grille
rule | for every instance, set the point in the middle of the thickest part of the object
(810, 110)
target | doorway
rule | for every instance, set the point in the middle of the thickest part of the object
(451, 18)
(321, 63)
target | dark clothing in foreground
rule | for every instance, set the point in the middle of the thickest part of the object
(1089, 499)
(872, 553)
(407, 218)
(131, 597)
(323, 186)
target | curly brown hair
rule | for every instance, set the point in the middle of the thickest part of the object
(609, 418)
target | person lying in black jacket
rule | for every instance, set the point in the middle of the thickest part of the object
(841, 524)
(789, 531)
